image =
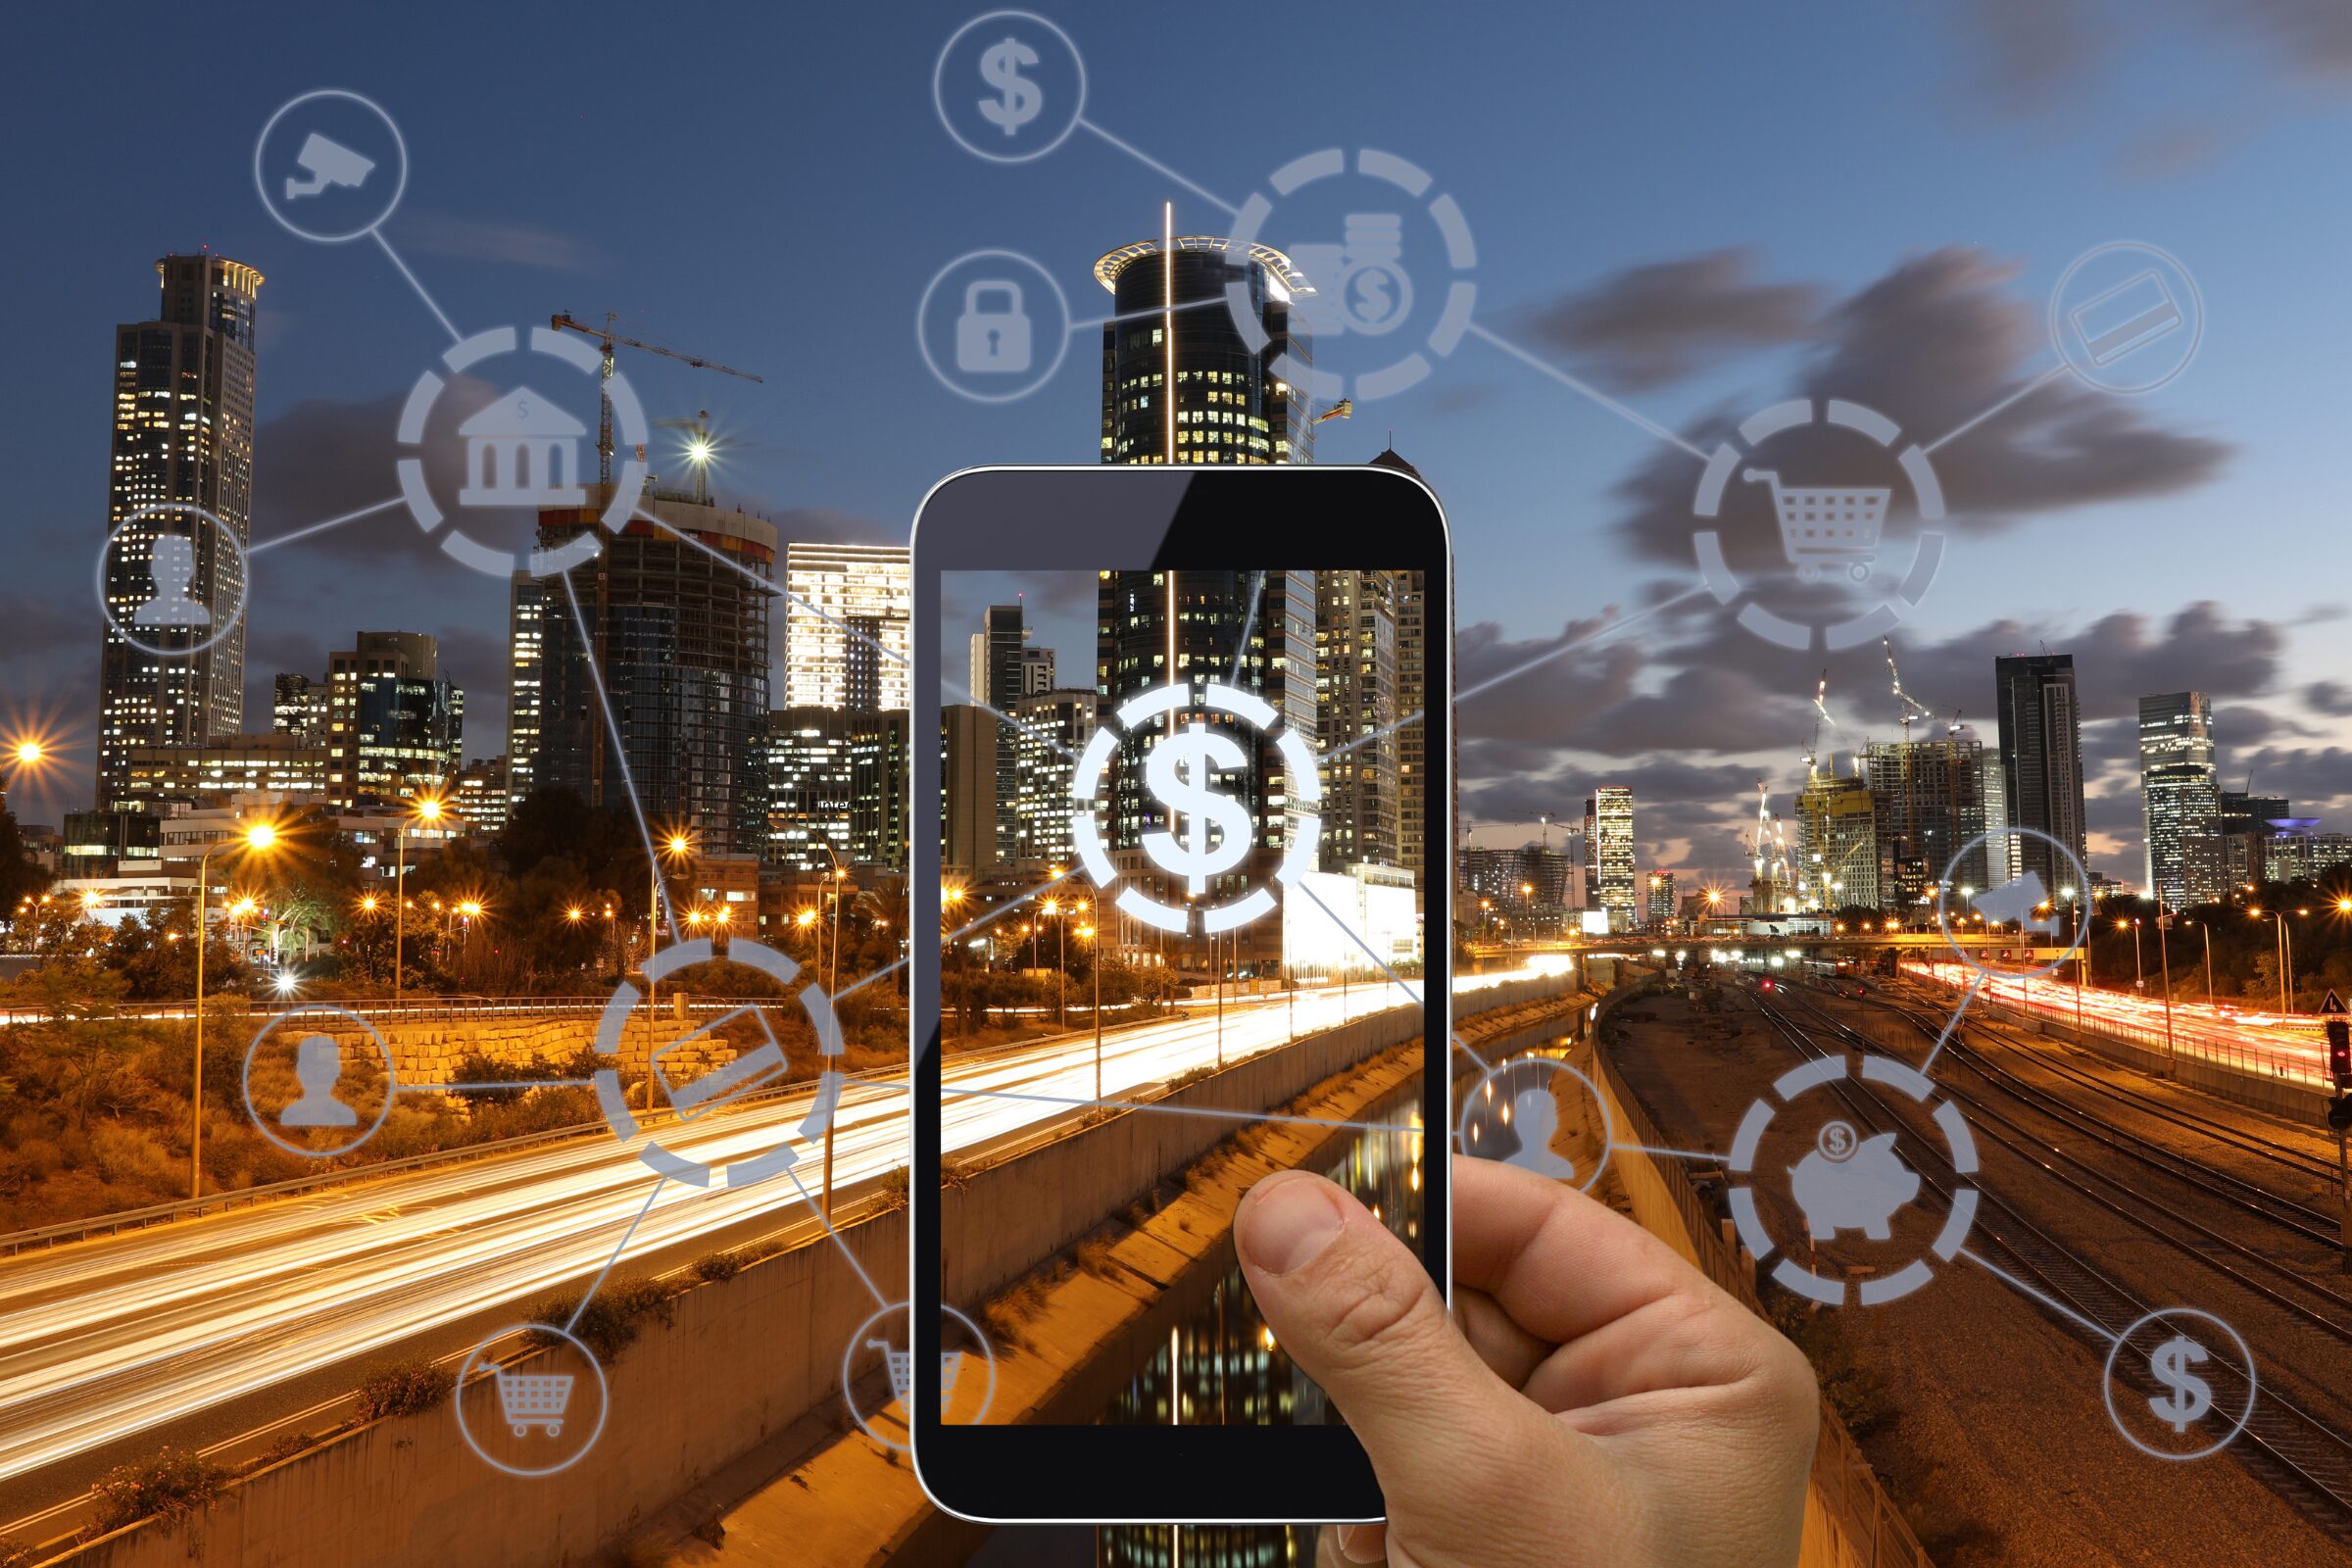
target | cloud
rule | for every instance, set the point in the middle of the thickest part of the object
(493, 239)
(1932, 344)
(2331, 697)
(2032, 56)
(1658, 323)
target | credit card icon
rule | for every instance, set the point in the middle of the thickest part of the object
(2128, 318)
(695, 1093)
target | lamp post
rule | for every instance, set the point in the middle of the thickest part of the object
(256, 839)
(2139, 972)
(833, 986)
(677, 846)
(2283, 952)
(1085, 934)
(2164, 955)
(429, 810)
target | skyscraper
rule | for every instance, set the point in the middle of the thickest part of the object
(2041, 760)
(1356, 657)
(526, 654)
(680, 638)
(846, 632)
(184, 426)
(2180, 793)
(298, 708)
(1053, 726)
(878, 789)
(1838, 849)
(396, 728)
(806, 766)
(1169, 317)
(1609, 853)
(1154, 628)
(1413, 620)
(1929, 797)
(1001, 671)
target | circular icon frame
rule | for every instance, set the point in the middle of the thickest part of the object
(1960, 1146)
(1470, 1107)
(2165, 1314)
(603, 1399)
(1943, 893)
(1453, 315)
(939, 88)
(260, 182)
(2087, 373)
(1301, 781)
(318, 1009)
(849, 1355)
(222, 624)
(631, 435)
(1727, 462)
(612, 1030)
(1050, 364)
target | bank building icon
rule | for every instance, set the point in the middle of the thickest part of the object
(522, 450)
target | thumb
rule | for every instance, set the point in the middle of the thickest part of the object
(1355, 1310)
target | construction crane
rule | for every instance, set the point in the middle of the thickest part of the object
(562, 322)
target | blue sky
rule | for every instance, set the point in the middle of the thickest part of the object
(769, 187)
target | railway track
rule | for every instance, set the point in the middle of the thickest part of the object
(2295, 1454)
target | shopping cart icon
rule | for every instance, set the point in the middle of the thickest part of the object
(534, 1401)
(902, 1371)
(1826, 525)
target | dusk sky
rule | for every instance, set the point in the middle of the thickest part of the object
(1871, 203)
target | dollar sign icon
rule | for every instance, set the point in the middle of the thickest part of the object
(1178, 774)
(1373, 301)
(1018, 99)
(2191, 1396)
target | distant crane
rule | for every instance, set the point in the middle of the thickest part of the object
(605, 336)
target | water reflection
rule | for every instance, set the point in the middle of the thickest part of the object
(1224, 1366)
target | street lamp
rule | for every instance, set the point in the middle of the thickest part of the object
(1085, 934)
(428, 812)
(259, 839)
(679, 845)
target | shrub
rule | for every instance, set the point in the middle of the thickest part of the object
(612, 1318)
(409, 1387)
(713, 1267)
(171, 1485)
(14, 1555)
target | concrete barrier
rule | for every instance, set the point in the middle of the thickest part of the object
(2281, 1097)
(1851, 1522)
(741, 1359)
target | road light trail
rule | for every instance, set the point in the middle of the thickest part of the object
(105, 1338)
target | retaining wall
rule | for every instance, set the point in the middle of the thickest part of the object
(741, 1359)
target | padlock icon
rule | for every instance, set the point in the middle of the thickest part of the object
(993, 341)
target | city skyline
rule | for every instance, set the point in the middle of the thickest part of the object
(338, 354)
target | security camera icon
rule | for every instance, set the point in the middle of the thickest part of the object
(696, 1095)
(329, 163)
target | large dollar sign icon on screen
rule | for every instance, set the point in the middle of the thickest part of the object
(1181, 773)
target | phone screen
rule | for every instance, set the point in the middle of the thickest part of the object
(1181, 901)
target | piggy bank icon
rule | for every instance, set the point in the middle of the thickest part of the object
(1847, 1186)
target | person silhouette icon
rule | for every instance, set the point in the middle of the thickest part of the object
(171, 564)
(1537, 1120)
(318, 1068)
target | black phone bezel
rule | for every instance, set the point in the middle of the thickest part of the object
(1055, 518)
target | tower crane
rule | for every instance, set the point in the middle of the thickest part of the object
(564, 322)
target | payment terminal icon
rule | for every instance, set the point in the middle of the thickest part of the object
(697, 1092)
(2127, 318)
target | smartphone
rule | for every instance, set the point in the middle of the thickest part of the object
(1182, 796)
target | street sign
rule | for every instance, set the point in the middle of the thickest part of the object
(2332, 1005)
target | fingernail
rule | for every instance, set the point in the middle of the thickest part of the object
(1286, 1222)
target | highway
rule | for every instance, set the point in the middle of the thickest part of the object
(2277, 1045)
(108, 1337)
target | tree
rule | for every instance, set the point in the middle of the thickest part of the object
(20, 878)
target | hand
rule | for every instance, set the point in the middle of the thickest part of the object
(1593, 1402)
